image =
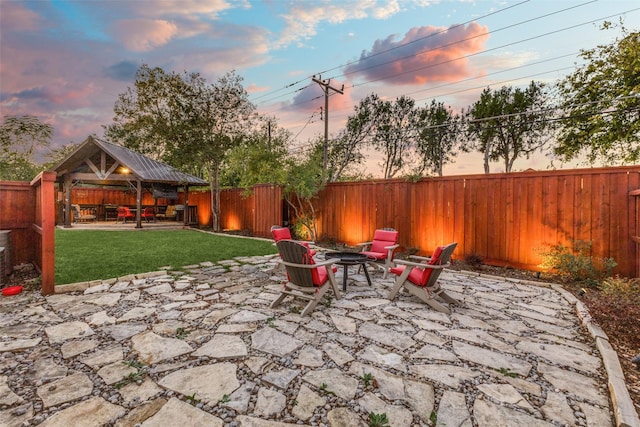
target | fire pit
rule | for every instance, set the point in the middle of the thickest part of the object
(347, 259)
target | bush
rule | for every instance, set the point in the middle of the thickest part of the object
(473, 260)
(576, 263)
(623, 288)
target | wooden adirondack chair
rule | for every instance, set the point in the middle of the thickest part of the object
(421, 278)
(283, 233)
(382, 248)
(306, 279)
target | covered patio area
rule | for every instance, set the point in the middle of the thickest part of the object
(97, 163)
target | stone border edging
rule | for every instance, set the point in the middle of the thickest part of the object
(624, 411)
(83, 286)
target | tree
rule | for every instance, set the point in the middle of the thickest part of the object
(20, 137)
(601, 104)
(304, 180)
(393, 133)
(346, 150)
(437, 137)
(388, 127)
(184, 121)
(155, 113)
(261, 159)
(509, 123)
(57, 155)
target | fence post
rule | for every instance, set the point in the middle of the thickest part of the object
(46, 229)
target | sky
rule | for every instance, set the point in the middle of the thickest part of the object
(66, 62)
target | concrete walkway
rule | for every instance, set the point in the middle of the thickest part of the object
(201, 347)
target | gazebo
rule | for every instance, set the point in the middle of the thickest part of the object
(102, 163)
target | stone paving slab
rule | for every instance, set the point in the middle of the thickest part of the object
(202, 347)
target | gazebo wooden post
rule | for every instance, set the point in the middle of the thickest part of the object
(138, 203)
(186, 205)
(67, 200)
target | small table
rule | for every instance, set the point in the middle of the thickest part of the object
(347, 259)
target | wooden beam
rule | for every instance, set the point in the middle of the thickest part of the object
(138, 203)
(93, 177)
(111, 169)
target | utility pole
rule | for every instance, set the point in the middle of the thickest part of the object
(326, 85)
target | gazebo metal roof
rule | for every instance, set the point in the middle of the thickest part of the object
(102, 162)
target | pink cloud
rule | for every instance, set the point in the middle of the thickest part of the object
(311, 98)
(15, 17)
(141, 35)
(424, 55)
(253, 88)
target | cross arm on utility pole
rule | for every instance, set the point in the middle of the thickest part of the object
(326, 85)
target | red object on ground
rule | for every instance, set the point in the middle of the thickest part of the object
(11, 290)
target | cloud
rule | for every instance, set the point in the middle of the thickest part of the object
(140, 35)
(122, 71)
(210, 9)
(302, 21)
(424, 55)
(59, 93)
(311, 98)
(253, 88)
(15, 17)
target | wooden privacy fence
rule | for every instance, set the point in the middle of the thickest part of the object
(28, 211)
(507, 219)
(504, 218)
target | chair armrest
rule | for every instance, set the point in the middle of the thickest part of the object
(308, 242)
(316, 265)
(363, 244)
(420, 264)
(392, 247)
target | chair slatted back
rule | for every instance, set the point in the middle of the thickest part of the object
(296, 253)
(443, 258)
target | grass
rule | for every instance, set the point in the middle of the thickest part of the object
(83, 255)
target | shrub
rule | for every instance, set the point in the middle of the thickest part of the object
(576, 263)
(627, 290)
(473, 260)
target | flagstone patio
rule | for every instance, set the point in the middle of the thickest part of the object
(202, 347)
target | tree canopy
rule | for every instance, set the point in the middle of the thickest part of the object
(184, 121)
(509, 123)
(437, 142)
(20, 138)
(601, 104)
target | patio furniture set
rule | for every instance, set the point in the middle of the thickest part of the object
(310, 279)
(124, 213)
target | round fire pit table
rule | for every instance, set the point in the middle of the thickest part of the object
(347, 259)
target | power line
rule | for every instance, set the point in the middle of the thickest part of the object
(445, 30)
(390, 49)
(486, 50)
(489, 50)
(527, 21)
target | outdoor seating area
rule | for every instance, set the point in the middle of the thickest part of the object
(208, 344)
(305, 276)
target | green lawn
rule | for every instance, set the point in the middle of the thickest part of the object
(83, 255)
